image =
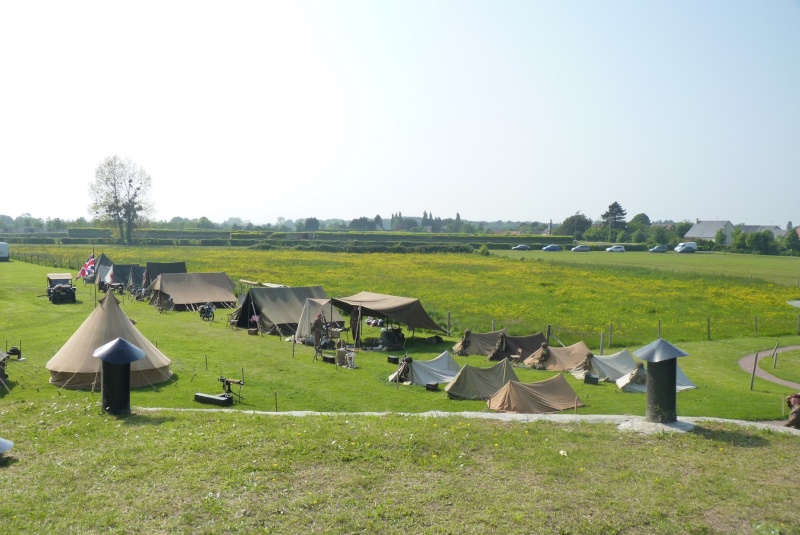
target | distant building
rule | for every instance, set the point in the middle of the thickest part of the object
(777, 231)
(707, 231)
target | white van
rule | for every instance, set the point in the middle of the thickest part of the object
(3, 251)
(686, 247)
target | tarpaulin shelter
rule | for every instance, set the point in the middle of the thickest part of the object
(405, 310)
(73, 366)
(477, 343)
(309, 310)
(558, 358)
(442, 369)
(508, 346)
(480, 383)
(606, 367)
(188, 291)
(551, 395)
(154, 269)
(276, 309)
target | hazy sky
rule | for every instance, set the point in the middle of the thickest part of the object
(496, 110)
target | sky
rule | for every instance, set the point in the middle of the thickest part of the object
(495, 110)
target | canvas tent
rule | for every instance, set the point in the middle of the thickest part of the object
(135, 277)
(73, 366)
(558, 358)
(480, 383)
(636, 380)
(606, 367)
(277, 309)
(405, 310)
(101, 260)
(478, 343)
(189, 291)
(508, 346)
(310, 308)
(119, 273)
(154, 269)
(442, 369)
(551, 395)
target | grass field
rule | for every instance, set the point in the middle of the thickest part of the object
(74, 469)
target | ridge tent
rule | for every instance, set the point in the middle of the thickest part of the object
(101, 260)
(636, 380)
(135, 277)
(442, 369)
(558, 358)
(405, 310)
(154, 269)
(278, 309)
(310, 308)
(119, 273)
(551, 395)
(73, 366)
(480, 383)
(191, 290)
(606, 367)
(508, 346)
(477, 343)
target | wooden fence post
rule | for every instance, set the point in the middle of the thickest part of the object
(755, 323)
(753, 376)
(659, 328)
(602, 337)
(708, 328)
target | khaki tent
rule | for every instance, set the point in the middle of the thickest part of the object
(480, 383)
(509, 346)
(73, 366)
(442, 369)
(405, 310)
(313, 306)
(558, 358)
(189, 291)
(277, 309)
(477, 343)
(550, 395)
(154, 269)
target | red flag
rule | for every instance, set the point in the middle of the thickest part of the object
(87, 269)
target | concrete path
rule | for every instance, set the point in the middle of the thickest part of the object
(746, 363)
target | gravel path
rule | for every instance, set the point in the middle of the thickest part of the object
(746, 363)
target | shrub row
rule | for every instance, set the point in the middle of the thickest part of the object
(416, 237)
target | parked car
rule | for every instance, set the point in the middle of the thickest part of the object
(687, 247)
(521, 247)
(551, 247)
(658, 249)
(581, 249)
(615, 249)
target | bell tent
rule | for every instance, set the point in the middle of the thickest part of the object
(73, 366)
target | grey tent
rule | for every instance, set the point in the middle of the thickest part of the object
(135, 277)
(119, 274)
(606, 367)
(509, 346)
(73, 366)
(313, 306)
(276, 309)
(480, 383)
(636, 380)
(440, 370)
(405, 310)
(154, 269)
(188, 291)
(478, 343)
(551, 395)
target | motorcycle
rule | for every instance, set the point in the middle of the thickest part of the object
(207, 312)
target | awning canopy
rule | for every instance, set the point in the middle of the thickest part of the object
(405, 310)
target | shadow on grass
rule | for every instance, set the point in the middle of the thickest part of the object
(6, 460)
(140, 420)
(732, 437)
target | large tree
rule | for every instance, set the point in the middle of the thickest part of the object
(121, 194)
(614, 218)
(575, 225)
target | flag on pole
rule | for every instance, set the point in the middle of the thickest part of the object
(87, 269)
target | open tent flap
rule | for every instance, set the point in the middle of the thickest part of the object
(440, 370)
(508, 346)
(405, 310)
(478, 343)
(308, 313)
(277, 309)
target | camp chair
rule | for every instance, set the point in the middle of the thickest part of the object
(232, 323)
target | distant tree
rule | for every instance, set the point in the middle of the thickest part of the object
(378, 222)
(206, 223)
(575, 225)
(639, 222)
(614, 218)
(761, 242)
(720, 238)
(312, 224)
(791, 241)
(120, 193)
(458, 226)
(362, 223)
(658, 235)
(639, 236)
(789, 225)
(738, 240)
(682, 228)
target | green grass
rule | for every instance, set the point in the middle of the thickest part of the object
(76, 470)
(787, 366)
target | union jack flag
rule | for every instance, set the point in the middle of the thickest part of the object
(87, 269)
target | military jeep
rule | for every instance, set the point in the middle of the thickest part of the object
(60, 288)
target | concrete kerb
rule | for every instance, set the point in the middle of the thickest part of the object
(626, 423)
